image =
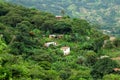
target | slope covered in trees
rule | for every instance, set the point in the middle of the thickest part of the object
(104, 12)
(23, 55)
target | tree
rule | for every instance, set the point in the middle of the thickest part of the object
(37, 20)
(3, 10)
(81, 60)
(62, 12)
(117, 43)
(91, 58)
(24, 26)
(5, 74)
(11, 19)
(102, 67)
(98, 43)
(51, 75)
(62, 27)
(48, 26)
(109, 44)
(17, 48)
(81, 26)
(111, 77)
(65, 74)
(3, 46)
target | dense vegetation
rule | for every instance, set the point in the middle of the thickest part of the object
(104, 12)
(23, 55)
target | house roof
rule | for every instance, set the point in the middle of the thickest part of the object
(58, 16)
(64, 48)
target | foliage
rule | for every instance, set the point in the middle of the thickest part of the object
(103, 67)
(24, 56)
(116, 43)
(111, 77)
(91, 58)
(3, 46)
(99, 11)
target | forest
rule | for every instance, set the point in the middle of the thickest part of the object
(32, 42)
(103, 12)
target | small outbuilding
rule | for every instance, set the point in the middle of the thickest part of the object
(105, 56)
(50, 43)
(66, 50)
(52, 36)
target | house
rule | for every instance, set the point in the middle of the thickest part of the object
(105, 56)
(116, 69)
(117, 58)
(106, 31)
(43, 35)
(50, 43)
(66, 50)
(55, 36)
(112, 38)
(105, 42)
(87, 37)
(60, 36)
(58, 17)
(52, 36)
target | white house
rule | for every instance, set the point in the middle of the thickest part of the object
(105, 56)
(112, 38)
(50, 43)
(87, 37)
(58, 17)
(52, 36)
(66, 50)
(56, 36)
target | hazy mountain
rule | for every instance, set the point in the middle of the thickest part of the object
(106, 12)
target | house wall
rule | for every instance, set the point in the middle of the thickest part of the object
(66, 50)
(50, 43)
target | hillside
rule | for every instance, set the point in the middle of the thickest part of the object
(35, 45)
(104, 12)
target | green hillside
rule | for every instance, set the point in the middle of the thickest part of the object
(25, 54)
(104, 12)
